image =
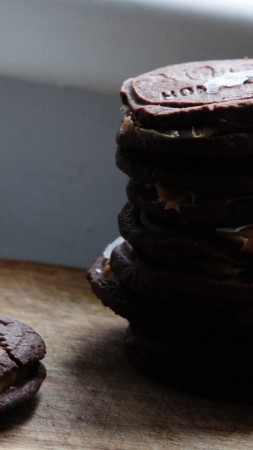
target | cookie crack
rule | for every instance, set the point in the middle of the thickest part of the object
(13, 358)
(4, 345)
(10, 355)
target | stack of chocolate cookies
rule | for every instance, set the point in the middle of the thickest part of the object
(183, 274)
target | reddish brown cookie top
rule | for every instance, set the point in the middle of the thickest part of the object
(19, 345)
(198, 93)
(21, 348)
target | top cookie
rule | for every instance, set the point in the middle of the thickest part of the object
(19, 345)
(210, 93)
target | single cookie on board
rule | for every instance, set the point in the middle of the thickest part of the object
(21, 372)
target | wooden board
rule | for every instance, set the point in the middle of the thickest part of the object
(92, 398)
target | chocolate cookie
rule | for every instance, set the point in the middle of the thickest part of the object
(182, 248)
(21, 372)
(210, 93)
(194, 314)
(211, 141)
(207, 176)
(183, 276)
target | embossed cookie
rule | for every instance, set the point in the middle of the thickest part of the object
(21, 372)
(210, 93)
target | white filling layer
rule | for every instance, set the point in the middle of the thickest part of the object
(108, 250)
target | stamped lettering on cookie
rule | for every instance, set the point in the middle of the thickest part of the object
(195, 84)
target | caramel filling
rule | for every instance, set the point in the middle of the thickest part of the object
(173, 199)
(107, 270)
(242, 237)
(129, 127)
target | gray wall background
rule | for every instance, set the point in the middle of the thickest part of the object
(60, 191)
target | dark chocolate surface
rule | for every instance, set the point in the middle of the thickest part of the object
(186, 142)
(154, 280)
(159, 316)
(218, 370)
(206, 212)
(221, 176)
(188, 249)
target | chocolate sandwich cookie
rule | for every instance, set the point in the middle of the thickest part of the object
(182, 141)
(193, 313)
(203, 350)
(201, 175)
(166, 282)
(186, 207)
(208, 193)
(183, 276)
(21, 372)
(219, 253)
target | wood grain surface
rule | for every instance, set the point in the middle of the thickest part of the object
(92, 398)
